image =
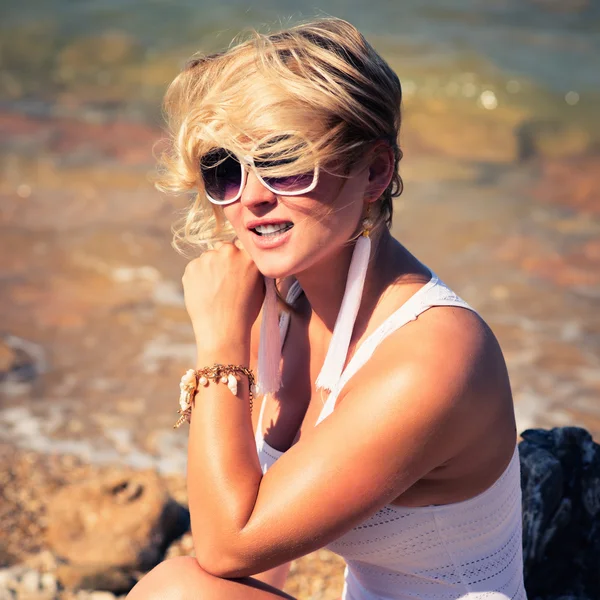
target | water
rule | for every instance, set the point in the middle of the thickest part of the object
(547, 49)
(501, 137)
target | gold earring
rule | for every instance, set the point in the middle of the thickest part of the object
(367, 223)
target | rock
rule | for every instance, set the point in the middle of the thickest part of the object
(552, 139)
(101, 596)
(560, 479)
(30, 582)
(20, 359)
(10, 578)
(49, 583)
(95, 577)
(44, 561)
(184, 546)
(5, 577)
(110, 527)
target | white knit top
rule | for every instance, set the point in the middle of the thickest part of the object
(468, 550)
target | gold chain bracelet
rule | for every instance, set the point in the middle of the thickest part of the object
(218, 374)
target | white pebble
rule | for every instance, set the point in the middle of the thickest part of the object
(100, 596)
(30, 582)
(6, 595)
(48, 581)
(5, 577)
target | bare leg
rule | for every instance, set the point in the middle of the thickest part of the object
(182, 578)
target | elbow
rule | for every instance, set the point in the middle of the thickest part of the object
(220, 559)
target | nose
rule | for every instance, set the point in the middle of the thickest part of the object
(255, 194)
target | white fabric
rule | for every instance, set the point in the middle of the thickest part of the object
(334, 362)
(269, 351)
(469, 550)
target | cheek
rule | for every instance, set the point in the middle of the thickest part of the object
(343, 212)
(233, 214)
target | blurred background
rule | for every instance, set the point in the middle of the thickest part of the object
(501, 140)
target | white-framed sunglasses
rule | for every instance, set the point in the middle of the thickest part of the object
(224, 176)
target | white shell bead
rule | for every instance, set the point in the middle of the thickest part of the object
(183, 401)
(232, 384)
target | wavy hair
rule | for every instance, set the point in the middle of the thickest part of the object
(320, 82)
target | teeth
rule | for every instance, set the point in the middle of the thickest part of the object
(270, 229)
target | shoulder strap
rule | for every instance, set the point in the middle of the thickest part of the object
(433, 293)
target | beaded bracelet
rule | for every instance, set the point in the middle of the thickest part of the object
(218, 374)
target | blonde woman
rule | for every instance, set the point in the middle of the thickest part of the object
(383, 426)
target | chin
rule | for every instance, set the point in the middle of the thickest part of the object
(278, 265)
(275, 269)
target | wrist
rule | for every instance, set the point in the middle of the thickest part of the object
(228, 352)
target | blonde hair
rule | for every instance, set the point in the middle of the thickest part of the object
(320, 82)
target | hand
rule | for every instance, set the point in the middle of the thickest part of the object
(224, 292)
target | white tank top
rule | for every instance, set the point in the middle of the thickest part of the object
(464, 550)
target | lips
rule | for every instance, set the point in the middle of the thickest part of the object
(277, 229)
(269, 228)
(268, 235)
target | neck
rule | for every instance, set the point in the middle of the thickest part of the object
(325, 283)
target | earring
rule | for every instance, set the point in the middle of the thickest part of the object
(367, 222)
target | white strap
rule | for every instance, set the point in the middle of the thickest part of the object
(433, 293)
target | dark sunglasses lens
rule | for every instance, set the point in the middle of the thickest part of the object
(282, 151)
(291, 183)
(222, 175)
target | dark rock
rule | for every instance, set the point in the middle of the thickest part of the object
(20, 360)
(560, 478)
(551, 139)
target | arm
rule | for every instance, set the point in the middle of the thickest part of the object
(248, 523)
(406, 404)
(276, 576)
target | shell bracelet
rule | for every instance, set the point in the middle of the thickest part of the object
(193, 378)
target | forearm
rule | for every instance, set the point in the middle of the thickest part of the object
(276, 576)
(224, 473)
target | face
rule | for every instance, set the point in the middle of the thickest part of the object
(286, 235)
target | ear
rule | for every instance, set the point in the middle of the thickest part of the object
(381, 170)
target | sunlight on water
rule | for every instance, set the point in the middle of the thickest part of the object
(500, 136)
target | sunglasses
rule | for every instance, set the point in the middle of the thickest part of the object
(225, 176)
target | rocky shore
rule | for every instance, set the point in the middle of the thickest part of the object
(72, 530)
(75, 531)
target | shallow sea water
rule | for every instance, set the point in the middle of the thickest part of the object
(499, 97)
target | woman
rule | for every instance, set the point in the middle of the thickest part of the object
(290, 140)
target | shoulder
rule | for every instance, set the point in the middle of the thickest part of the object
(445, 370)
(453, 343)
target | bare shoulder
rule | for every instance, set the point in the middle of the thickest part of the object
(448, 366)
(445, 345)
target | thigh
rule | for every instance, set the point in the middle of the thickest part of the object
(182, 578)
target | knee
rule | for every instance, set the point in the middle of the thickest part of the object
(178, 578)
